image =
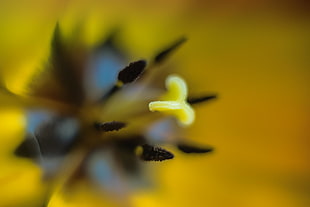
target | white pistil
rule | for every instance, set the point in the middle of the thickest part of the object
(174, 102)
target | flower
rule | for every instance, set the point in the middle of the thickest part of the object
(90, 120)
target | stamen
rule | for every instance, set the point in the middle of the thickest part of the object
(196, 100)
(113, 90)
(165, 53)
(110, 126)
(152, 153)
(174, 101)
(131, 72)
(127, 75)
(194, 149)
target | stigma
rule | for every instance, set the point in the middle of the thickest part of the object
(174, 102)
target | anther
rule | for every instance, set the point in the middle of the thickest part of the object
(152, 153)
(127, 75)
(131, 72)
(193, 149)
(165, 53)
(110, 126)
(196, 100)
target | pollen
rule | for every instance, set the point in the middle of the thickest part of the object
(174, 102)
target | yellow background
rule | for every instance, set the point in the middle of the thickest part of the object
(254, 54)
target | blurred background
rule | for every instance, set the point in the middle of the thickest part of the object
(254, 54)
